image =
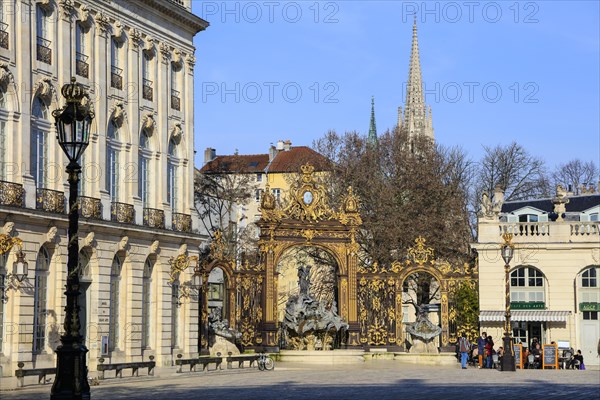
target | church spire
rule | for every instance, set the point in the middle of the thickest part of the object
(415, 118)
(372, 138)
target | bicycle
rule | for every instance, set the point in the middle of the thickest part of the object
(265, 362)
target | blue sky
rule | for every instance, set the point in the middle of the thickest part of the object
(494, 72)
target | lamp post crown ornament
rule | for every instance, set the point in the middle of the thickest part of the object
(507, 237)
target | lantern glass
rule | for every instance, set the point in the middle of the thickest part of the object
(20, 268)
(197, 280)
(507, 253)
(73, 126)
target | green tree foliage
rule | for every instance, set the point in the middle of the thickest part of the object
(466, 307)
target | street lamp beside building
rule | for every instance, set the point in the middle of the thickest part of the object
(73, 123)
(508, 360)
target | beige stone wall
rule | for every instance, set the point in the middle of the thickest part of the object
(561, 251)
(141, 28)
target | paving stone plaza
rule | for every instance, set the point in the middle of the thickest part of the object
(372, 380)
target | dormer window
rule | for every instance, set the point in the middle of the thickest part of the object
(528, 218)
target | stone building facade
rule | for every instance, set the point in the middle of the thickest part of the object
(554, 286)
(136, 58)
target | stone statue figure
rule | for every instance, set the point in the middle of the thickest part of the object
(304, 279)
(423, 331)
(307, 323)
(222, 338)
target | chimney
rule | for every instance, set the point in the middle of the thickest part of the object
(287, 145)
(209, 155)
(272, 153)
(279, 145)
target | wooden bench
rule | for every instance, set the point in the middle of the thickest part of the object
(251, 358)
(204, 361)
(39, 372)
(119, 367)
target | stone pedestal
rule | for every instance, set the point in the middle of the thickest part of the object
(224, 347)
(420, 346)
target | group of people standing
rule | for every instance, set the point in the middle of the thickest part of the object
(483, 352)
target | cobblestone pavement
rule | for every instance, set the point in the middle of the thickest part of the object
(378, 380)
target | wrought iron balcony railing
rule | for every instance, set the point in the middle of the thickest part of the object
(82, 68)
(147, 92)
(90, 207)
(116, 77)
(50, 200)
(44, 52)
(123, 213)
(154, 218)
(182, 222)
(3, 35)
(175, 100)
(11, 194)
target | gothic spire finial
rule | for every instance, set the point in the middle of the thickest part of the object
(372, 138)
(415, 110)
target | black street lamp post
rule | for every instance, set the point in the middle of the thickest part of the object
(508, 360)
(73, 123)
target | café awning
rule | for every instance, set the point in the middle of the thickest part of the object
(526, 316)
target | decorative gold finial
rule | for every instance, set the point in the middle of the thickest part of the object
(507, 237)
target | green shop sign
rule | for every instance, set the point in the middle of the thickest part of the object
(527, 305)
(589, 306)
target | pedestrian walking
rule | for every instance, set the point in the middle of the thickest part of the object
(464, 346)
(481, 340)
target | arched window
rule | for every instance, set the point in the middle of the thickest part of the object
(175, 313)
(115, 282)
(3, 258)
(39, 138)
(146, 302)
(40, 298)
(172, 185)
(144, 157)
(112, 160)
(527, 285)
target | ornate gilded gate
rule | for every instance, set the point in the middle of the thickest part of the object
(308, 220)
(380, 295)
(369, 297)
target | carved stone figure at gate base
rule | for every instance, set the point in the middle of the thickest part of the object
(308, 324)
(222, 338)
(423, 331)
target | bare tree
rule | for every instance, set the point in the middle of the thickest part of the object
(220, 195)
(407, 188)
(575, 174)
(520, 175)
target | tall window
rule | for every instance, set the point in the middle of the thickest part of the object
(3, 258)
(175, 89)
(44, 53)
(527, 285)
(40, 297)
(172, 185)
(81, 51)
(39, 145)
(115, 281)
(112, 161)
(116, 68)
(144, 160)
(146, 302)
(146, 77)
(3, 151)
(174, 313)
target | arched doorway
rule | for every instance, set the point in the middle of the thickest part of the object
(421, 291)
